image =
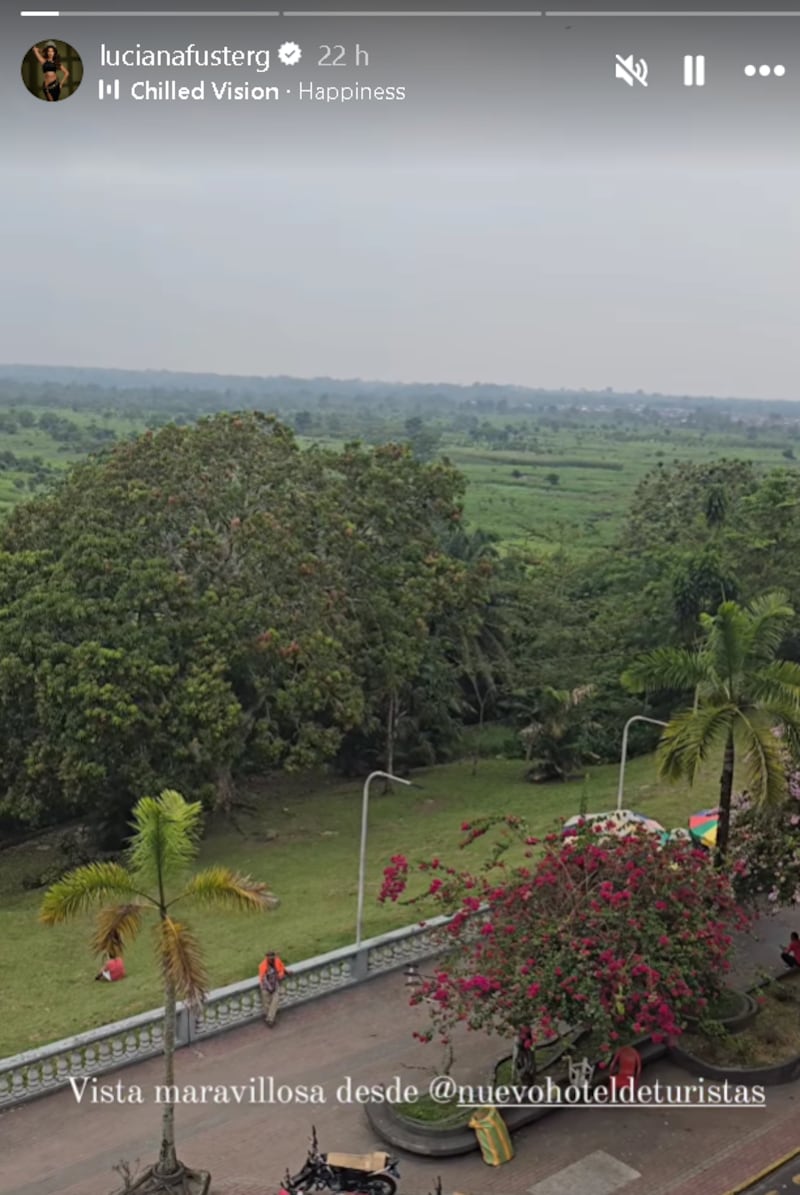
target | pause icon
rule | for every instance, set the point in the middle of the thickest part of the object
(694, 70)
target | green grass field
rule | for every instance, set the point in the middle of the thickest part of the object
(29, 444)
(509, 492)
(48, 991)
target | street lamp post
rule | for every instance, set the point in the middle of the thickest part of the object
(363, 856)
(624, 755)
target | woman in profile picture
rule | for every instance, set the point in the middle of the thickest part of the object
(51, 64)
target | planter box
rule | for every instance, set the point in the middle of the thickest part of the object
(761, 1076)
(433, 1141)
(737, 1021)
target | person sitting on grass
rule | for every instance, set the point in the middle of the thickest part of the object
(791, 955)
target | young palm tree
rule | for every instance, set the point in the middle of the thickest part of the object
(164, 843)
(743, 694)
(554, 740)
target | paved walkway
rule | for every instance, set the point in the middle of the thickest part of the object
(780, 1181)
(60, 1146)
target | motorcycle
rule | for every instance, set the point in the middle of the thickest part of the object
(349, 1174)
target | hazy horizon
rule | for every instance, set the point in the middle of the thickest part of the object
(383, 381)
(522, 219)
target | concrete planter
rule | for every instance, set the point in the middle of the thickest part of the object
(437, 1141)
(760, 1076)
(737, 1021)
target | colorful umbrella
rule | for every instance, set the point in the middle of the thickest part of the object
(703, 827)
(620, 822)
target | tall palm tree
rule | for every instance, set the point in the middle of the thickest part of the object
(156, 877)
(742, 693)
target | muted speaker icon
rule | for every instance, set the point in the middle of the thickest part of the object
(630, 71)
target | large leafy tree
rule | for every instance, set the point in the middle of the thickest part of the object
(685, 503)
(206, 601)
(157, 876)
(742, 691)
(399, 585)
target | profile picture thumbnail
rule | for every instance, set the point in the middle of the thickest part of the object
(52, 70)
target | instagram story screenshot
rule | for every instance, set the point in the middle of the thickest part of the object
(400, 598)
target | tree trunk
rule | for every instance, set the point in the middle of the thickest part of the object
(167, 1159)
(523, 1063)
(725, 794)
(390, 734)
(479, 737)
(225, 790)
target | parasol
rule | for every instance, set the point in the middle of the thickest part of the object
(703, 827)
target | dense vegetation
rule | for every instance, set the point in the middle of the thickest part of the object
(355, 582)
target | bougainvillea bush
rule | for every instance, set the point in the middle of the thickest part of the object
(765, 849)
(620, 935)
(765, 842)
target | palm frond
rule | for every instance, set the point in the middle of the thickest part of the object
(789, 735)
(225, 888)
(762, 758)
(182, 961)
(769, 616)
(115, 928)
(779, 682)
(84, 888)
(782, 719)
(165, 839)
(669, 669)
(728, 638)
(689, 739)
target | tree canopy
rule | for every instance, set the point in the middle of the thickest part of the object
(205, 601)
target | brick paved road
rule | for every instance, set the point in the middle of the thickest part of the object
(57, 1146)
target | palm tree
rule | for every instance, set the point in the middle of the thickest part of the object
(164, 844)
(743, 695)
(555, 739)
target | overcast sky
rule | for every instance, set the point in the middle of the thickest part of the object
(635, 263)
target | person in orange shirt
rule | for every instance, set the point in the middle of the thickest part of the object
(271, 974)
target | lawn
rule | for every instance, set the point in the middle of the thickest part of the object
(303, 841)
(511, 494)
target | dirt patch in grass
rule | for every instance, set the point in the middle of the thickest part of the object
(774, 1036)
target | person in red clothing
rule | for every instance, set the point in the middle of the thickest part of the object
(113, 970)
(271, 974)
(791, 955)
(625, 1069)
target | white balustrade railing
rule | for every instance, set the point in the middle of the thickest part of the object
(101, 1051)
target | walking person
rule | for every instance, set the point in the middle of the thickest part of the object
(271, 974)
